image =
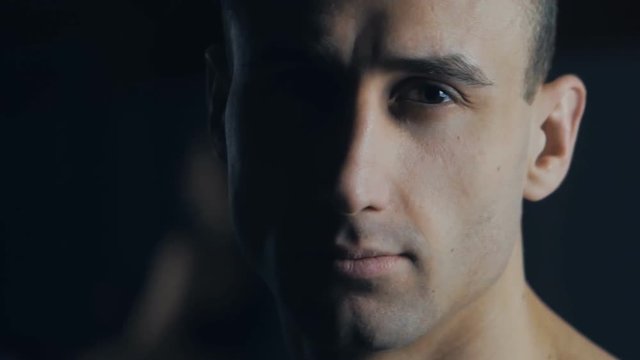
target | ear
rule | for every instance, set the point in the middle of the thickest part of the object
(218, 82)
(559, 107)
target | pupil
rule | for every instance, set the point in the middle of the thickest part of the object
(433, 94)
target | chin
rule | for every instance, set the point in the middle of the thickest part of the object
(368, 325)
(348, 321)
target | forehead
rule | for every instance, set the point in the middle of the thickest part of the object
(431, 26)
(491, 33)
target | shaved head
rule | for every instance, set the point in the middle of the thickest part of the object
(542, 14)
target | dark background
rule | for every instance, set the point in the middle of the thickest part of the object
(101, 103)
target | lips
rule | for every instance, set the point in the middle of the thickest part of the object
(366, 263)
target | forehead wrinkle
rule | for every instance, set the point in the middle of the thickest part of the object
(353, 31)
(368, 46)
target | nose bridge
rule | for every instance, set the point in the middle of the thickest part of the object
(362, 182)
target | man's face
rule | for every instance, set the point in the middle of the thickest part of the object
(365, 128)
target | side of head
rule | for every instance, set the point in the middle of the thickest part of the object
(411, 128)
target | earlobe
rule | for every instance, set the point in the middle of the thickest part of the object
(218, 83)
(560, 107)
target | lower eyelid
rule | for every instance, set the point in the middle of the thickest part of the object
(414, 109)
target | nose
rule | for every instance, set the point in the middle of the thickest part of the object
(364, 179)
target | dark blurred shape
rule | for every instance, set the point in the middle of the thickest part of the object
(198, 296)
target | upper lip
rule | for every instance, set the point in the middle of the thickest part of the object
(350, 253)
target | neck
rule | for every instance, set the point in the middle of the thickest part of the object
(501, 322)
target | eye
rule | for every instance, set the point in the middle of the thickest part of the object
(423, 92)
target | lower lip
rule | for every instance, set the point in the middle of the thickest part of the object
(367, 268)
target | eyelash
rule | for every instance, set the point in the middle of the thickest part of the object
(413, 84)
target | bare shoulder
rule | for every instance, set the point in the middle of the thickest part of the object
(571, 344)
(567, 342)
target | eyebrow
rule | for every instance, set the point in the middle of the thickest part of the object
(455, 67)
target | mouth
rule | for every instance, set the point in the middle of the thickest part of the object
(367, 263)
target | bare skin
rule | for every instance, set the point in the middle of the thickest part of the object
(362, 130)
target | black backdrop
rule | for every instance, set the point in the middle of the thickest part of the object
(100, 100)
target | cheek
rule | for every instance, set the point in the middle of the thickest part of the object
(495, 199)
(465, 197)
